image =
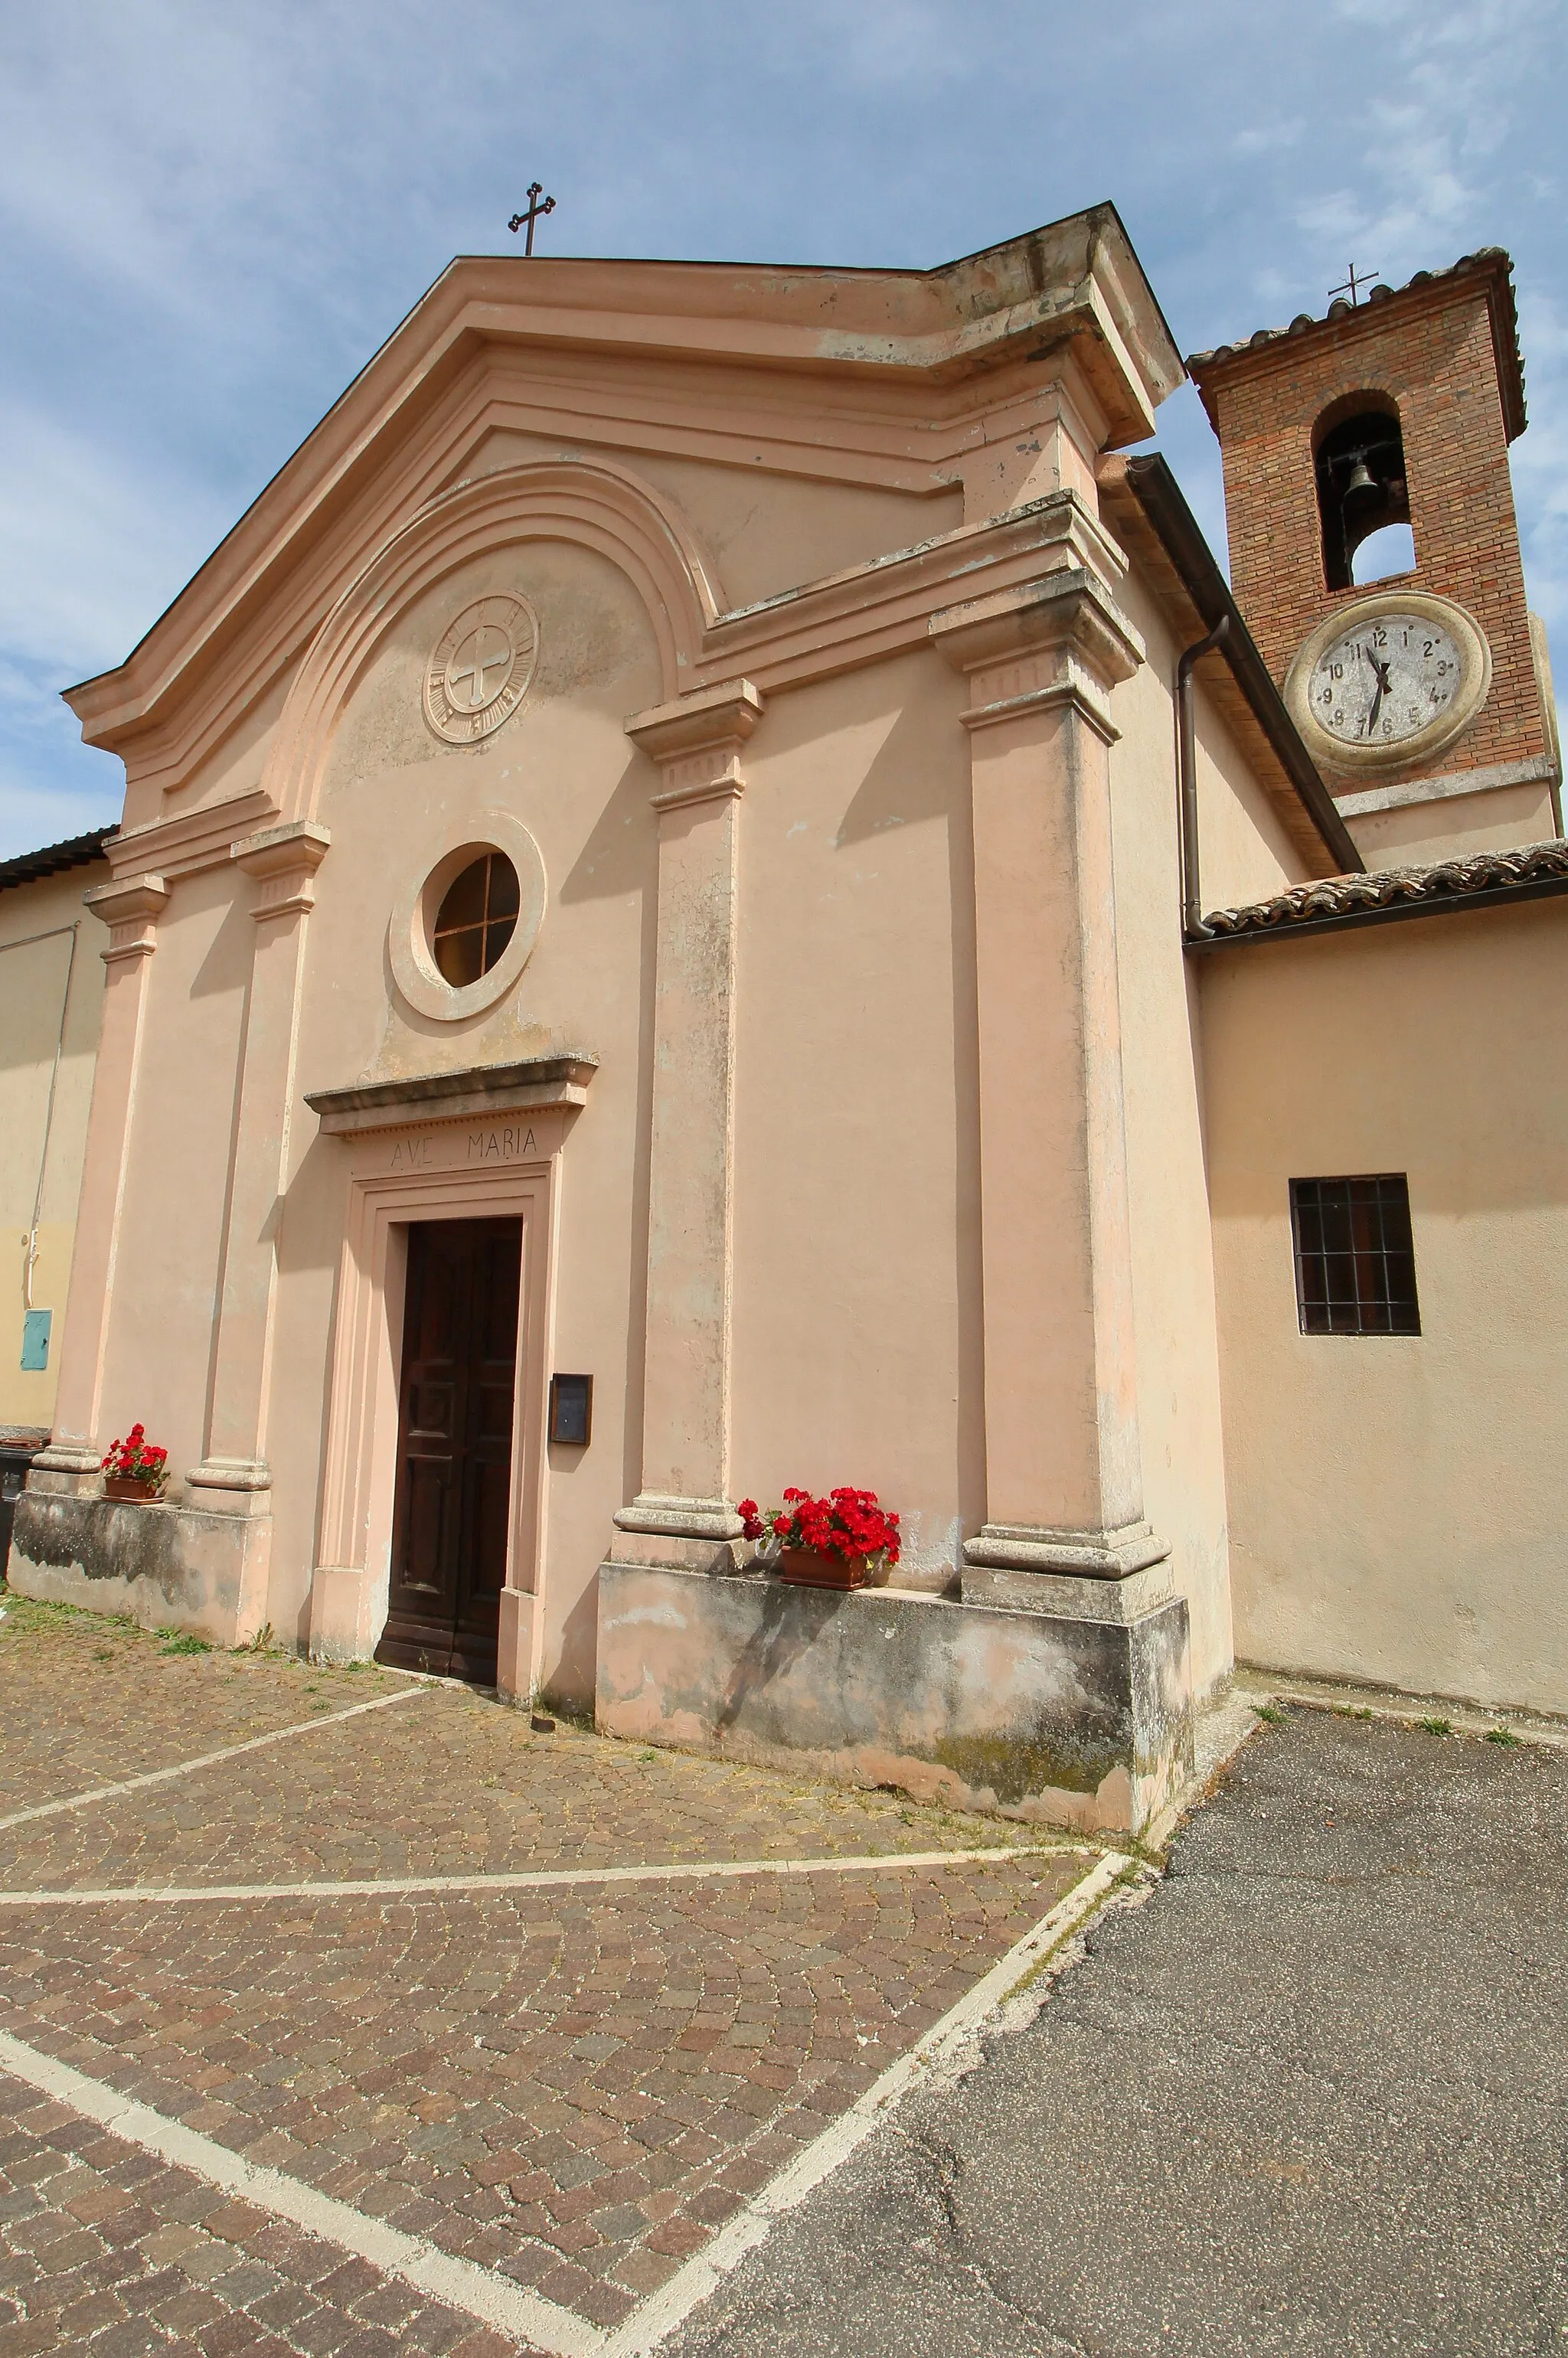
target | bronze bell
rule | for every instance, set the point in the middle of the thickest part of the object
(1361, 480)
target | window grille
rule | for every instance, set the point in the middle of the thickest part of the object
(1355, 1255)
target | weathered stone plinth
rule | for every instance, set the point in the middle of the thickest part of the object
(1050, 1716)
(167, 1566)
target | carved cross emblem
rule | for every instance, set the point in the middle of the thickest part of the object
(480, 668)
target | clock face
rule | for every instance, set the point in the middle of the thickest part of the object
(1389, 677)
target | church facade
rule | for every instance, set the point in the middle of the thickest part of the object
(715, 894)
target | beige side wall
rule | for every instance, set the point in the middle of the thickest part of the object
(1247, 854)
(1458, 825)
(32, 989)
(158, 1366)
(1397, 1503)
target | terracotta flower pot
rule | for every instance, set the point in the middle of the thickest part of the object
(136, 1494)
(805, 1569)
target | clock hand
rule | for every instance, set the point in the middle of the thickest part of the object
(1378, 698)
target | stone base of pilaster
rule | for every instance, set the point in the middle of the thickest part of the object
(66, 1472)
(165, 1565)
(1074, 1554)
(517, 1650)
(232, 1486)
(1051, 1717)
(684, 1534)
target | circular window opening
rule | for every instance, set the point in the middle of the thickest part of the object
(477, 918)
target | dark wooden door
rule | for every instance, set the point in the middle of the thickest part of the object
(454, 1446)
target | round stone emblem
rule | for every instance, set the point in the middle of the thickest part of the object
(480, 668)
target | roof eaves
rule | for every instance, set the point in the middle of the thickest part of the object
(54, 859)
(1483, 880)
(1159, 494)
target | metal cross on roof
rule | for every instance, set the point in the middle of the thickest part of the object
(1349, 287)
(536, 210)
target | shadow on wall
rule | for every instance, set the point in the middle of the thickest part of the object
(903, 787)
(772, 1648)
(619, 858)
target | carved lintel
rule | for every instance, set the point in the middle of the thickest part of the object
(130, 907)
(284, 860)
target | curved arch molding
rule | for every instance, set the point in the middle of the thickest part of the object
(598, 507)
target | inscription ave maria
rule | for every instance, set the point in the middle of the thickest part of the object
(506, 1142)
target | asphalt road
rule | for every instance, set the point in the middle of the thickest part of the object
(1312, 2097)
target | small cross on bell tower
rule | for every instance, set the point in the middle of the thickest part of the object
(535, 212)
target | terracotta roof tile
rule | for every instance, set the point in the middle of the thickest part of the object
(1490, 260)
(1522, 874)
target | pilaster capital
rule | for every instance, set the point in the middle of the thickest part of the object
(284, 860)
(696, 742)
(1059, 641)
(130, 906)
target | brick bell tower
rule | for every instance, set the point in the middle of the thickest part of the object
(1375, 552)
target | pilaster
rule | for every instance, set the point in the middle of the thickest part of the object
(130, 906)
(683, 1513)
(234, 1476)
(1064, 1494)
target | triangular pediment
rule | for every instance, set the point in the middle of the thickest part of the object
(863, 374)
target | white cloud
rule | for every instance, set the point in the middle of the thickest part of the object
(210, 217)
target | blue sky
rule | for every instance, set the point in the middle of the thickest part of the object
(214, 213)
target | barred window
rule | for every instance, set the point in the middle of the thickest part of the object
(1354, 1257)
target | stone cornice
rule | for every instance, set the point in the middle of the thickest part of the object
(193, 840)
(533, 1084)
(885, 608)
(864, 615)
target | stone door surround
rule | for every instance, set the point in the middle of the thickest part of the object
(473, 1144)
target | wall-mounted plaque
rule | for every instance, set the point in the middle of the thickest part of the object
(571, 1410)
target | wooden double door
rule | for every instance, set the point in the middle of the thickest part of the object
(451, 1520)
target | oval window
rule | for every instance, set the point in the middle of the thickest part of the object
(476, 919)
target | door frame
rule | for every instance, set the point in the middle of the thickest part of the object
(422, 1638)
(453, 1169)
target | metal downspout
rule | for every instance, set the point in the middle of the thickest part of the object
(1193, 926)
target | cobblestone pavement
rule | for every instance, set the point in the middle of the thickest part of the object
(446, 1783)
(573, 2087)
(104, 2249)
(84, 1701)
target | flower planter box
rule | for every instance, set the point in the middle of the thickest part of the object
(134, 1494)
(807, 1569)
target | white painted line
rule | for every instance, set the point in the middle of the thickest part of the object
(205, 1760)
(497, 2299)
(690, 2286)
(545, 1878)
(501, 2302)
